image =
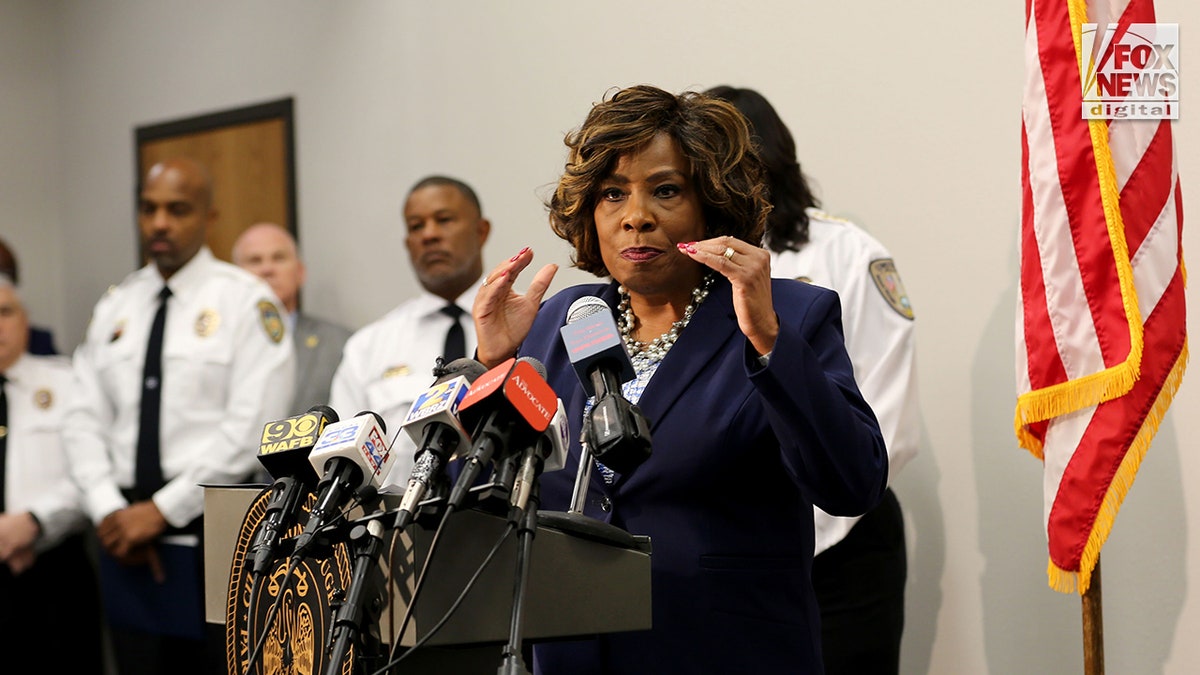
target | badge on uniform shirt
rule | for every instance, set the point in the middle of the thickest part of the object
(887, 280)
(118, 330)
(207, 322)
(43, 398)
(311, 341)
(397, 371)
(805, 279)
(272, 323)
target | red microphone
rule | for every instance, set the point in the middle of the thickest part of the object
(508, 408)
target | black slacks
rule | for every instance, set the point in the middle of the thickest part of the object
(860, 588)
(51, 612)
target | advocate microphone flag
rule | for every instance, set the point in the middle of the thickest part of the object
(1101, 332)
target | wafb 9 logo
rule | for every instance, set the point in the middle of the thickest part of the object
(291, 433)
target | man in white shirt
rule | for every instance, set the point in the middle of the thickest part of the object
(44, 564)
(389, 362)
(145, 433)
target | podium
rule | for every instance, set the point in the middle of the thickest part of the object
(576, 586)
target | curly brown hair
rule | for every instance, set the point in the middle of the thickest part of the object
(712, 135)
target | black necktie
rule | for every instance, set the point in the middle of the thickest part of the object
(456, 339)
(3, 440)
(147, 477)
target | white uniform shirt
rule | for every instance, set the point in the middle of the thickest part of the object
(36, 476)
(876, 318)
(228, 369)
(389, 362)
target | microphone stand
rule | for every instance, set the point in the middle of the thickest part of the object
(514, 663)
(583, 475)
(349, 617)
(573, 520)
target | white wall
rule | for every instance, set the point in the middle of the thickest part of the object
(31, 170)
(907, 116)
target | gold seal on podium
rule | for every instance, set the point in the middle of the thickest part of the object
(296, 636)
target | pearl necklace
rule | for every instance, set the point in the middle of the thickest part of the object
(642, 354)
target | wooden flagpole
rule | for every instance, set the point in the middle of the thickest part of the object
(1093, 625)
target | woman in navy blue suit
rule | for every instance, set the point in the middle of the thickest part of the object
(754, 412)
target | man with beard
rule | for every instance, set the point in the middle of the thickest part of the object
(389, 362)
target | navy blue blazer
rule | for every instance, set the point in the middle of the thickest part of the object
(741, 452)
(41, 341)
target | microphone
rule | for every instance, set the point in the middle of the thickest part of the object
(508, 406)
(616, 431)
(549, 453)
(595, 347)
(433, 424)
(283, 452)
(350, 455)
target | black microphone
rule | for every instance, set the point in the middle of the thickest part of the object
(549, 453)
(350, 455)
(433, 424)
(284, 452)
(616, 431)
(508, 406)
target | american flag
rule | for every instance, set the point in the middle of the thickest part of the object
(1101, 331)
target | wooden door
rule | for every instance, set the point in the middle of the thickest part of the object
(248, 151)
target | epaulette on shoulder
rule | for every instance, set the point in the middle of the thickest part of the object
(828, 216)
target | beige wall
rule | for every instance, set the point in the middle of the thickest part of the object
(907, 116)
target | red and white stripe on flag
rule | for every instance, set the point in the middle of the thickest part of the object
(1101, 327)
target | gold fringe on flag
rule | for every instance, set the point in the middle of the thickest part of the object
(1105, 385)
(1118, 380)
(1068, 581)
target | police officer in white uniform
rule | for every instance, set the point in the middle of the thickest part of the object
(44, 563)
(877, 318)
(860, 567)
(226, 370)
(388, 363)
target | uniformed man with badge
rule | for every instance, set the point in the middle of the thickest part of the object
(44, 562)
(388, 363)
(182, 364)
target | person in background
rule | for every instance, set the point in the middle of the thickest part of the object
(389, 362)
(663, 197)
(41, 340)
(269, 251)
(183, 363)
(47, 578)
(860, 569)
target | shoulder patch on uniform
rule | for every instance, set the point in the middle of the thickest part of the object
(887, 280)
(272, 323)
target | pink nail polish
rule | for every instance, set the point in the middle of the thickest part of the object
(518, 255)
